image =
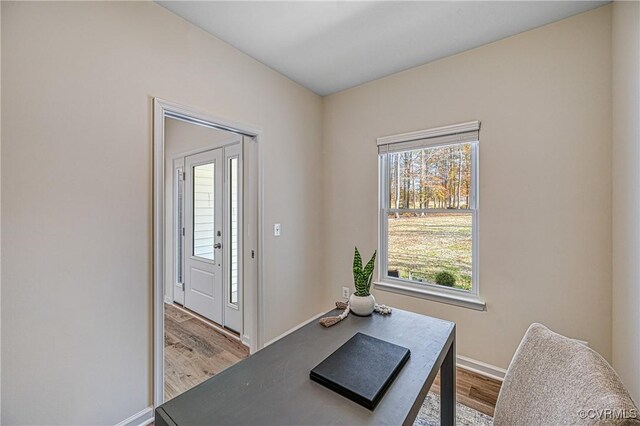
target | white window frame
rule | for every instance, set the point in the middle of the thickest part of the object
(430, 138)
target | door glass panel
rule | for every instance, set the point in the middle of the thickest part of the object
(203, 210)
(233, 216)
(179, 224)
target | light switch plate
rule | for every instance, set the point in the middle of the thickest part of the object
(276, 229)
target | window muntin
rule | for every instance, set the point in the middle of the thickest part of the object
(429, 215)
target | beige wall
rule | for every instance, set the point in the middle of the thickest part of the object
(78, 81)
(544, 100)
(626, 194)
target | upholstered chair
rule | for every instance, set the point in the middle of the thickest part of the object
(554, 380)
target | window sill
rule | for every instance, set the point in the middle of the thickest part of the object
(465, 301)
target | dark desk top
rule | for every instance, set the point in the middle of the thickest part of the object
(273, 386)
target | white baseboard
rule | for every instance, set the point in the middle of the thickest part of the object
(141, 418)
(480, 367)
(246, 340)
(167, 300)
(302, 324)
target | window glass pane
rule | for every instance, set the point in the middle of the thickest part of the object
(233, 208)
(179, 224)
(431, 178)
(203, 203)
(433, 248)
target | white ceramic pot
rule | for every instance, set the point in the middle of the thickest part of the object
(362, 305)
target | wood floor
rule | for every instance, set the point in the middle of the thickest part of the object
(474, 390)
(194, 351)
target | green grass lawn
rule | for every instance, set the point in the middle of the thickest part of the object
(422, 246)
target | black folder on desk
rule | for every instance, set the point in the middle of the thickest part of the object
(362, 369)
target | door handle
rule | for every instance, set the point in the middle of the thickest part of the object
(217, 245)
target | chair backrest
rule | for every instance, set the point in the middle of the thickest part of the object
(554, 380)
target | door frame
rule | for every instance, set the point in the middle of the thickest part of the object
(253, 291)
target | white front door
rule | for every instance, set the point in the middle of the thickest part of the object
(203, 234)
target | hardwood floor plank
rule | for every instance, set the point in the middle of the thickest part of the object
(214, 338)
(474, 390)
(193, 334)
(175, 313)
(195, 351)
(184, 369)
(217, 327)
(170, 339)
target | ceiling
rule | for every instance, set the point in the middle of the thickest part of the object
(329, 46)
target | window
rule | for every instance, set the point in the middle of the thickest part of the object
(179, 224)
(203, 210)
(233, 213)
(429, 211)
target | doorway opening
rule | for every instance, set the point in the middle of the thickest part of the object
(204, 207)
(207, 273)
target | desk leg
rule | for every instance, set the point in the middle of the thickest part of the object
(448, 387)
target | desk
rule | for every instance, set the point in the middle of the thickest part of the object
(272, 387)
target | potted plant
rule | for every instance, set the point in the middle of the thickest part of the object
(362, 301)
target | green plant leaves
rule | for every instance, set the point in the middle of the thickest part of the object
(362, 277)
(368, 270)
(445, 278)
(357, 263)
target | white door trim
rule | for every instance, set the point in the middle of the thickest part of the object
(255, 327)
